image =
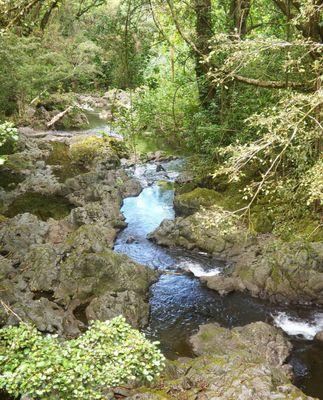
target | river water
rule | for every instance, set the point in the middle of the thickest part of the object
(180, 302)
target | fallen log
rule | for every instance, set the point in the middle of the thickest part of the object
(58, 117)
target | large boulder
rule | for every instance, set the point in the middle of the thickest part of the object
(214, 231)
(243, 363)
(282, 272)
(61, 287)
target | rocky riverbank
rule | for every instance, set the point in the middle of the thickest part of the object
(284, 272)
(243, 363)
(58, 269)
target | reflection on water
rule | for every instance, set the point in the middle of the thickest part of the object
(180, 302)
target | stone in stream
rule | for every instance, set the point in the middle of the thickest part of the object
(160, 168)
(130, 240)
(319, 337)
(243, 363)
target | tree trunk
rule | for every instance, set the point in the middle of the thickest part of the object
(239, 14)
(203, 29)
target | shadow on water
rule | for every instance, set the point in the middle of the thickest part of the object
(180, 302)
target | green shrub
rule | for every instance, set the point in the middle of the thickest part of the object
(8, 136)
(109, 354)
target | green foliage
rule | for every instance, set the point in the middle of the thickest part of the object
(33, 68)
(109, 354)
(8, 136)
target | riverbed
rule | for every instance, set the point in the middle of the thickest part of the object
(180, 302)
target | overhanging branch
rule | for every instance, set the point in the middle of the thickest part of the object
(275, 84)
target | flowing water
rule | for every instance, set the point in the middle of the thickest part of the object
(180, 302)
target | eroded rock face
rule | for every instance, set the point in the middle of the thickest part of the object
(284, 272)
(52, 281)
(61, 273)
(261, 265)
(243, 363)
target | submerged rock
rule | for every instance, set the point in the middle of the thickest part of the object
(243, 363)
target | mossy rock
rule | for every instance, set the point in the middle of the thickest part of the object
(261, 221)
(3, 218)
(190, 202)
(44, 207)
(85, 151)
(9, 179)
(18, 162)
(119, 147)
(165, 185)
(63, 165)
(182, 188)
(56, 101)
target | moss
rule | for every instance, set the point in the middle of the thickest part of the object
(185, 188)
(308, 228)
(18, 162)
(146, 143)
(9, 180)
(165, 185)
(246, 274)
(60, 157)
(261, 220)
(118, 146)
(2, 218)
(206, 335)
(85, 151)
(205, 197)
(44, 207)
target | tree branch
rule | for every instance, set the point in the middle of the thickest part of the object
(274, 84)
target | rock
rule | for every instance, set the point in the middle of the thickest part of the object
(133, 307)
(130, 240)
(243, 363)
(160, 168)
(319, 337)
(106, 213)
(261, 265)
(213, 232)
(41, 181)
(282, 272)
(18, 234)
(262, 340)
(159, 156)
(189, 203)
(61, 287)
(62, 273)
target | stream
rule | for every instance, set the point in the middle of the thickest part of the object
(180, 302)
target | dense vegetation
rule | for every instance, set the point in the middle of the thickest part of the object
(236, 81)
(108, 354)
(236, 85)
